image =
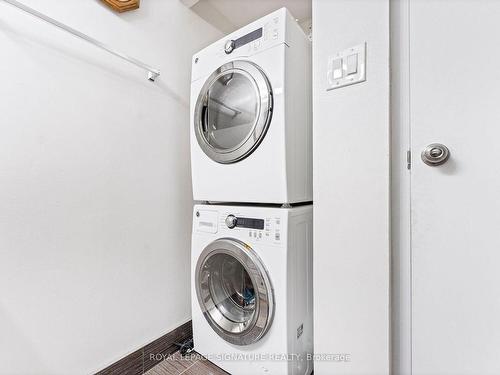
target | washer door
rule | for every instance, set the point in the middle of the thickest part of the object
(234, 291)
(233, 111)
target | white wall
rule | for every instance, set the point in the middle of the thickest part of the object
(95, 193)
(351, 196)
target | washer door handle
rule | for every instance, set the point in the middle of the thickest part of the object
(435, 154)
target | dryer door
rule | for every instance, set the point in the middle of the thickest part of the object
(234, 291)
(233, 111)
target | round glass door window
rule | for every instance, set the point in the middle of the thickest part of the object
(233, 111)
(234, 291)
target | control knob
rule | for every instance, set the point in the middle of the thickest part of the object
(231, 221)
(229, 46)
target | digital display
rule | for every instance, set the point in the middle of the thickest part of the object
(245, 222)
(250, 37)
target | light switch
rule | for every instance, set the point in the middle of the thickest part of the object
(337, 68)
(351, 64)
(346, 67)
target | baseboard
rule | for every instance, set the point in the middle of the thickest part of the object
(140, 361)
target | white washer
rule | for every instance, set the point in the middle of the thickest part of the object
(251, 134)
(252, 288)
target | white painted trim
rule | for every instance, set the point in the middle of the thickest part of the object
(352, 191)
(400, 189)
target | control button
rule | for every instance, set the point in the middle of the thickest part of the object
(275, 34)
(260, 234)
(229, 46)
(277, 236)
(256, 44)
(255, 234)
(352, 64)
(231, 221)
(250, 234)
(337, 68)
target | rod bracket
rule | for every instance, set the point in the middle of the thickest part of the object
(153, 75)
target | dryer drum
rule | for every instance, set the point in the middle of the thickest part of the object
(233, 111)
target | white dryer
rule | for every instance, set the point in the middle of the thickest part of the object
(251, 135)
(252, 288)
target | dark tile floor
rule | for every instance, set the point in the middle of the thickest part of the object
(193, 364)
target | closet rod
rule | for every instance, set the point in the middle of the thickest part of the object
(152, 73)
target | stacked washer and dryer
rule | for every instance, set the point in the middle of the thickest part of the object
(251, 157)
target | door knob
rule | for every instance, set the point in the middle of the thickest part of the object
(435, 154)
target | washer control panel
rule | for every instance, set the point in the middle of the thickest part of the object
(267, 229)
(205, 221)
(244, 222)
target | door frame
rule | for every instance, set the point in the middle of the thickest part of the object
(401, 262)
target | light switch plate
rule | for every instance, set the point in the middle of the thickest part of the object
(334, 81)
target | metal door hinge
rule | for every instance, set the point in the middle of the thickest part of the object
(408, 159)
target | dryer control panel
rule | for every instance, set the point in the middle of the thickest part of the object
(268, 35)
(263, 34)
(232, 44)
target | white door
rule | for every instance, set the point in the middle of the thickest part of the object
(455, 101)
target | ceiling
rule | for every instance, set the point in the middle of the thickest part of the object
(229, 15)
